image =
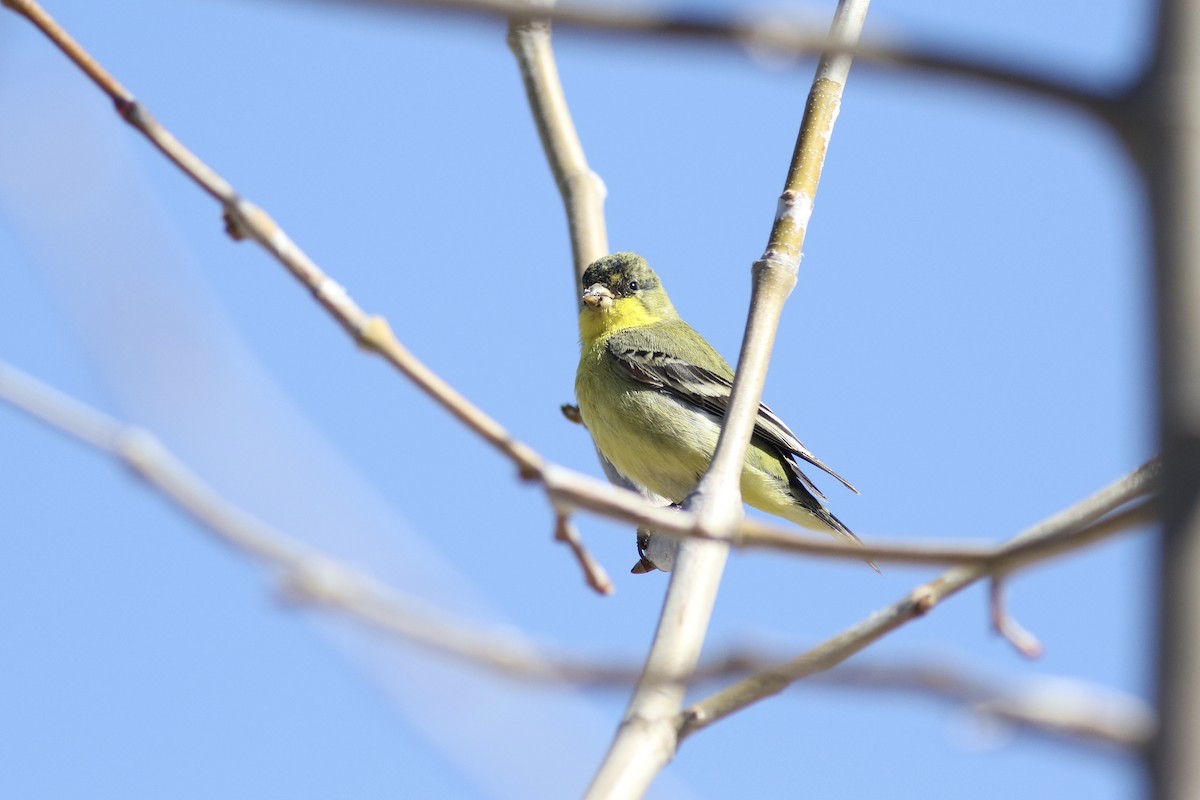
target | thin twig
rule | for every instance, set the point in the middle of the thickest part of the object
(597, 578)
(753, 534)
(1007, 626)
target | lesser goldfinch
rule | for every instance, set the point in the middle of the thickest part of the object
(653, 393)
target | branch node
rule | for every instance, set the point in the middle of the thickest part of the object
(573, 179)
(795, 207)
(690, 719)
(374, 335)
(235, 223)
(127, 107)
(138, 448)
(773, 260)
(527, 24)
(530, 466)
(922, 599)
(319, 582)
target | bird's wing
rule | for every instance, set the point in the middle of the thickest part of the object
(710, 391)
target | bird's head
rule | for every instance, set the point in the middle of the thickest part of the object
(621, 291)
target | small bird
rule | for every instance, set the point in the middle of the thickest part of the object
(653, 393)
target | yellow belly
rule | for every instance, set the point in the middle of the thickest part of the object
(665, 445)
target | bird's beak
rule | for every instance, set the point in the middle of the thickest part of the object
(598, 297)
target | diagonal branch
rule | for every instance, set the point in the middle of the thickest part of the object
(1089, 520)
(307, 574)
(246, 220)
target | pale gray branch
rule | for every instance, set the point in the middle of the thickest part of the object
(1088, 521)
(307, 575)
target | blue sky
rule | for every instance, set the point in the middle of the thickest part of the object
(969, 343)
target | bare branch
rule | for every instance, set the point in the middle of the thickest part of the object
(774, 274)
(1004, 624)
(246, 220)
(1074, 526)
(570, 490)
(307, 575)
(1088, 520)
(771, 34)
(597, 578)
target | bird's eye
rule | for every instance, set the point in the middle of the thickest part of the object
(633, 286)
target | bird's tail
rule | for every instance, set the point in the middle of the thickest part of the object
(809, 510)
